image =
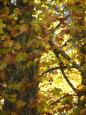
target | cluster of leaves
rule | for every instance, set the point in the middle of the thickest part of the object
(20, 50)
(54, 29)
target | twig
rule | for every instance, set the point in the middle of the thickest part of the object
(51, 69)
(66, 78)
(59, 51)
(57, 101)
(54, 68)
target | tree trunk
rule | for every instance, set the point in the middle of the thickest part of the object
(15, 75)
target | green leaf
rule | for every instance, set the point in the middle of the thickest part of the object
(56, 91)
(3, 65)
(1, 31)
(21, 56)
(36, 26)
(16, 86)
(31, 63)
(4, 113)
(2, 25)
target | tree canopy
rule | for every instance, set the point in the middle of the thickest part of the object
(42, 57)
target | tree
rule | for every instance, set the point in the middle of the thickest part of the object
(19, 57)
(29, 28)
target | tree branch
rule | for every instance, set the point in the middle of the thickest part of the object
(59, 51)
(66, 78)
(65, 44)
(54, 68)
(68, 81)
(57, 101)
(51, 69)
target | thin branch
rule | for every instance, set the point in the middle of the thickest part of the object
(57, 101)
(55, 68)
(59, 51)
(68, 81)
(51, 69)
(65, 44)
(66, 77)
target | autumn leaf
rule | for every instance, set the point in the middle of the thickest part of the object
(24, 28)
(6, 11)
(50, 18)
(4, 113)
(56, 91)
(36, 26)
(17, 46)
(10, 58)
(21, 56)
(3, 65)
(2, 25)
(8, 43)
(81, 88)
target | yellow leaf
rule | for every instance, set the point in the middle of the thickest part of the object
(82, 98)
(17, 46)
(4, 37)
(82, 88)
(6, 11)
(36, 26)
(8, 43)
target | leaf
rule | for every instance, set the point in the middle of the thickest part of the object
(25, 86)
(2, 25)
(81, 88)
(21, 56)
(13, 98)
(50, 18)
(83, 67)
(3, 65)
(75, 111)
(17, 46)
(16, 86)
(10, 58)
(30, 63)
(82, 98)
(36, 27)
(25, 1)
(6, 11)
(13, 32)
(5, 37)
(8, 43)
(67, 100)
(1, 31)
(56, 91)
(24, 28)
(4, 113)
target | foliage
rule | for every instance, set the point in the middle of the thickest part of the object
(43, 42)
